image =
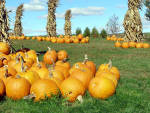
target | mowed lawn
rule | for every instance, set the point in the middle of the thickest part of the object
(132, 93)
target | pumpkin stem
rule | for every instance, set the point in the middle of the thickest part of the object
(6, 69)
(38, 63)
(29, 96)
(109, 64)
(22, 67)
(49, 49)
(77, 66)
(80, 99)
(17, 58)
(85, 59)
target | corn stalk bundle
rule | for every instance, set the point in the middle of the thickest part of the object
(51, 18)
(132, 22)
(18, 24)
(4, 22)
(67, 26)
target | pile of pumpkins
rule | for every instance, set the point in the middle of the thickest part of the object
(60, 39)
(132, 44)
(114, 38)
(23, 76)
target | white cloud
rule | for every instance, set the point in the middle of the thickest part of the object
(81, 11)
(35, 5)
(146, 23)
(87, 11)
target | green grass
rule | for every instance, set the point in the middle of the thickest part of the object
(132, 94)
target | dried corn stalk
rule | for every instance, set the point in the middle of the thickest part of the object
(4, 22)
(132, 22)
(67, 26)
(18, 24)
(51, 18)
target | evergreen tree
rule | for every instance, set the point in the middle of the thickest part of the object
(94, 32)
(103, 33)
(78, 31)
(86, 32)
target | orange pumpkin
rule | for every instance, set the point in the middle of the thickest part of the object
(146, 45)
(90, 64)
(117, 44)
(125, 45)
(17, 88)
(31, 76)
(83, 76)
(139, 45)
(132, 44)
(101, 87)
(108, 75)
(50, 56)
(63, 63)
(4, 48)
(43, 88)
(71, 88)
(62, 54)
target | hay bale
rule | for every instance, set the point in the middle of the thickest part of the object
(67, 26)
(4, 22)
(18, 24)
(132, 22)
(51, 18)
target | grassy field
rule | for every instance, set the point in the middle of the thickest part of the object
(132, 94)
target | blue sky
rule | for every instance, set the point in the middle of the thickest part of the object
(86, 13)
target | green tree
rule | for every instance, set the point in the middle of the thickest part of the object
(94, 32)
(103, 33)
(78, 31)
(86, 32)
(147, 5)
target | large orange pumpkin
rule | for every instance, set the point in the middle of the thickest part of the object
(83, 76)
(44, 88)
(108, 75)
(71, 88)
(17, 88)
(101, 87)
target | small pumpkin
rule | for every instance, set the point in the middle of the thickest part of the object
(50, 56)
(117, 44)
(62, 54)
(4, 48)
(146, 45)
(125, 45)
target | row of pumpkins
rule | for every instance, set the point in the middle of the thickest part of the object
(114, 38)
(132, 45)
(23, 76)
(60, 39)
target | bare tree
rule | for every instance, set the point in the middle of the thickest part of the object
(113, 25)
